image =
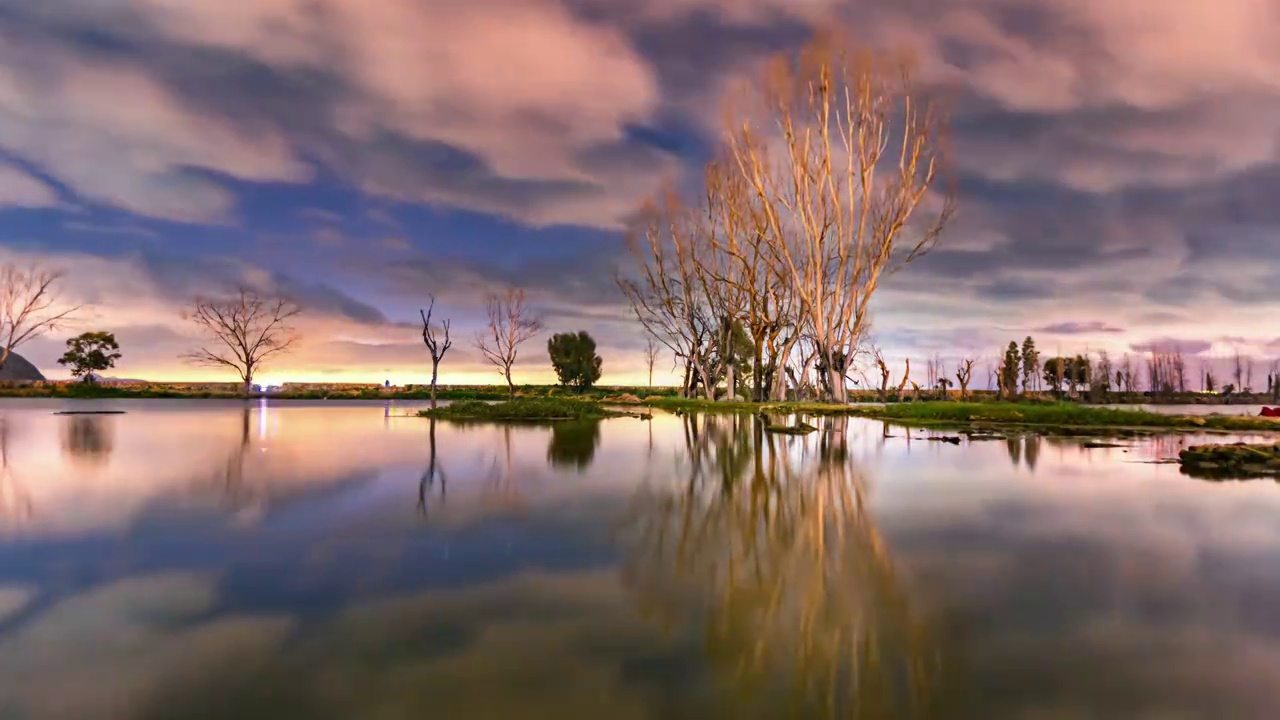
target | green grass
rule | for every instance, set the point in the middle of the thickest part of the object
(524, 409)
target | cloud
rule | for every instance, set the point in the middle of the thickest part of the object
(1080, 328)
(524, 111)
(67, 663)
(1188, 347)
(19, 189)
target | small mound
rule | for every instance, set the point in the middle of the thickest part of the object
(623, 399)
(18, 369)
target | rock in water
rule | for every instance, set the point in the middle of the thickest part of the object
(16, 368)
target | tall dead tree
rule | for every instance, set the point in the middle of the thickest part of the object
(437, 346)
(883, 366)
(964, 374)
(511, 323)
(244, 331)
(30, 306)
(839, 149)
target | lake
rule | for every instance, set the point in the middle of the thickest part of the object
(209, 559)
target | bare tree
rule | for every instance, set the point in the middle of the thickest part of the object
(435, 345)
(650, 357)
(964, 374)
(30, 306)
(669, 296)
(244, 331)
(859, 149)
(511, 324)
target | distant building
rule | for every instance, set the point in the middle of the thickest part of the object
(17, 369)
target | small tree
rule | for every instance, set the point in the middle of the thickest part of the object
(437, 346)
(90, 352)
(651, 357)
(29, 306)
(574, 357)
(511, 324)
(245, 330)
(1056, 370)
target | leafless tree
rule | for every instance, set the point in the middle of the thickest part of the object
(244, 331)
(1239, 371)
(511, 323)
(30, 306)
(1179, 370)
(963, 374)
(437, 346)
(859, 149)
(651, 357)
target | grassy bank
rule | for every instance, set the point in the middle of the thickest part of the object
(1063, 417)
(523, 410)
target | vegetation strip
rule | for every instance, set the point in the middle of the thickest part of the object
(534, 409)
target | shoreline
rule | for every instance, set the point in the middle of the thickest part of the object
(1059, 417)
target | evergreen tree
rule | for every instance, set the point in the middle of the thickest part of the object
(574, 357)
(1030, 364)
(1010, 371)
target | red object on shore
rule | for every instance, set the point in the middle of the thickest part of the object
(1270, 412)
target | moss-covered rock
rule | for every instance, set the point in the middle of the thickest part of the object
(1234, 461)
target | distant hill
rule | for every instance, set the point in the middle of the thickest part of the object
(17, 368)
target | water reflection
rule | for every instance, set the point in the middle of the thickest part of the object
(433, 473)
(236, 492)
(87, 439)
(15, 499)
(774, 555)
(788, 585)
(573, 444)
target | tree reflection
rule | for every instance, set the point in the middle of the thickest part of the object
(87, 438)
(236, 492)
(775, 554)
(1024, 450)
(15, 498)
(573, 444)
(503, 488)
(432, 473)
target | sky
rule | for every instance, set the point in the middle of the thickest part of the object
(1115, 163)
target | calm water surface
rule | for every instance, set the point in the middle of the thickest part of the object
(309, 560)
